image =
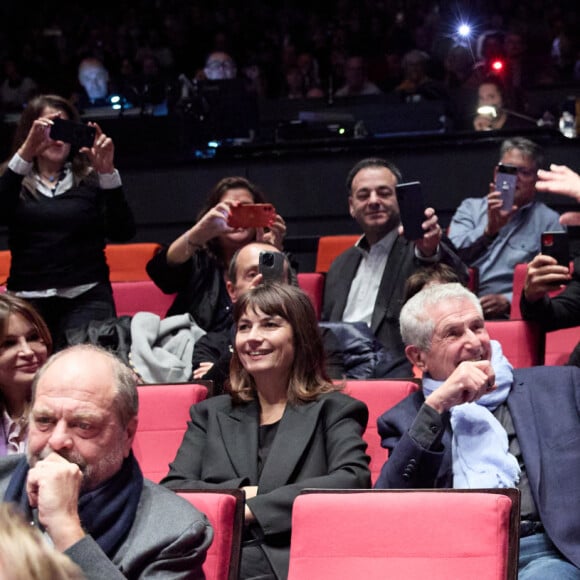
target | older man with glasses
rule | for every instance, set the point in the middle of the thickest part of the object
(494, 238)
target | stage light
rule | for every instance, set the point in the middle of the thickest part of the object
(497, 66)
(464, 30)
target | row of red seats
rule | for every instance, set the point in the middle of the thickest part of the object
(363, 530)
(134, 292)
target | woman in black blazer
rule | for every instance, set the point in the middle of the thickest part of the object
(284, 426)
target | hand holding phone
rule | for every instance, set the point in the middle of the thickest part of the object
(412, 209)
(271, 266)
(555, 244)
(77, 134)
(506, 178)
(251, 215)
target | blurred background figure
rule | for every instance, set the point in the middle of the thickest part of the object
(94, 79)
(17, 88)
(25, 344)
(220, 66)
(356, 81)
(26, 555)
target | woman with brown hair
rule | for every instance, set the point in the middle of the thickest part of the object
(284, 427)
(194, 264)
(61, 204)
(25, 344)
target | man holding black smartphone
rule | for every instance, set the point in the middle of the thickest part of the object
(544, 274)
(493, 238)
(366, 282)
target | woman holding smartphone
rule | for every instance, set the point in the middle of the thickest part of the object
(61, 205)
(194, 265)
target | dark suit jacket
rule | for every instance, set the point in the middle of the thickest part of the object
(545, 406)
(385, 320)
(168, 539)
(318, 444)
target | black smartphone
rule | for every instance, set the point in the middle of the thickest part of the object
(555, 244)
(506, 178)
(271, 266)
(77, 134)
(412, 209)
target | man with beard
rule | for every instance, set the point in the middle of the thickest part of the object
(366, 282)
(81, 485)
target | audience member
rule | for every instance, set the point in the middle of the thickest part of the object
(366, 283)
(493, 239)
(25, 343)
(194, 264)
(283, 428)
(25, 555)
(17, 88)
(61, 205)
(213, 351)
(478, 423)
(94, 79)
(81, 483)
(220, 66)
(438, 273)
(356, 81)
(491, 93)
(417, 84)
(545, 275)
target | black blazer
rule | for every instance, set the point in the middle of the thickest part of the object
(385, 320)
(544, 403)
(318, 444)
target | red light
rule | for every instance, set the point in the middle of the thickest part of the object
(497, 65)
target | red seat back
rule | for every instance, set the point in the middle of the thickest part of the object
(127, 261)
(140, 296)
(560, 344)
(405, 534)
(520, 341)
(329, 247)
(313, 284)
(224, 509)
(163, 416)
(379, 396)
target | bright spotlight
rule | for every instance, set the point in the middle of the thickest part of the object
(464, 30)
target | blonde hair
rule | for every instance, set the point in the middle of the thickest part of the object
(25, 554)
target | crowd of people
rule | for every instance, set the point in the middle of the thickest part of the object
(144, 50)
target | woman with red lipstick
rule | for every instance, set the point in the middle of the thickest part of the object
(25, 344)
(61, 205)
(283, 428)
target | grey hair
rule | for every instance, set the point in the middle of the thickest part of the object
(416, 322)
(126, 402)
(527, 148)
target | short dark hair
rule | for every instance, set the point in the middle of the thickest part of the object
(308, 378)
(215, 196)
(371, 162)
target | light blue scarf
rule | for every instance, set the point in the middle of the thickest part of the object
(481, 458)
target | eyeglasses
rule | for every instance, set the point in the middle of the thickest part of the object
(224, 65)
(526, 172)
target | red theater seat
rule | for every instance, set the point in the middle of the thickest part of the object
(163, 416)
(224, 509)
(140, 296)
(313, 284)
(405, 534)
(329, 247)
(127, 261)
(520, 341)
(560, 344)
(379, 396)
